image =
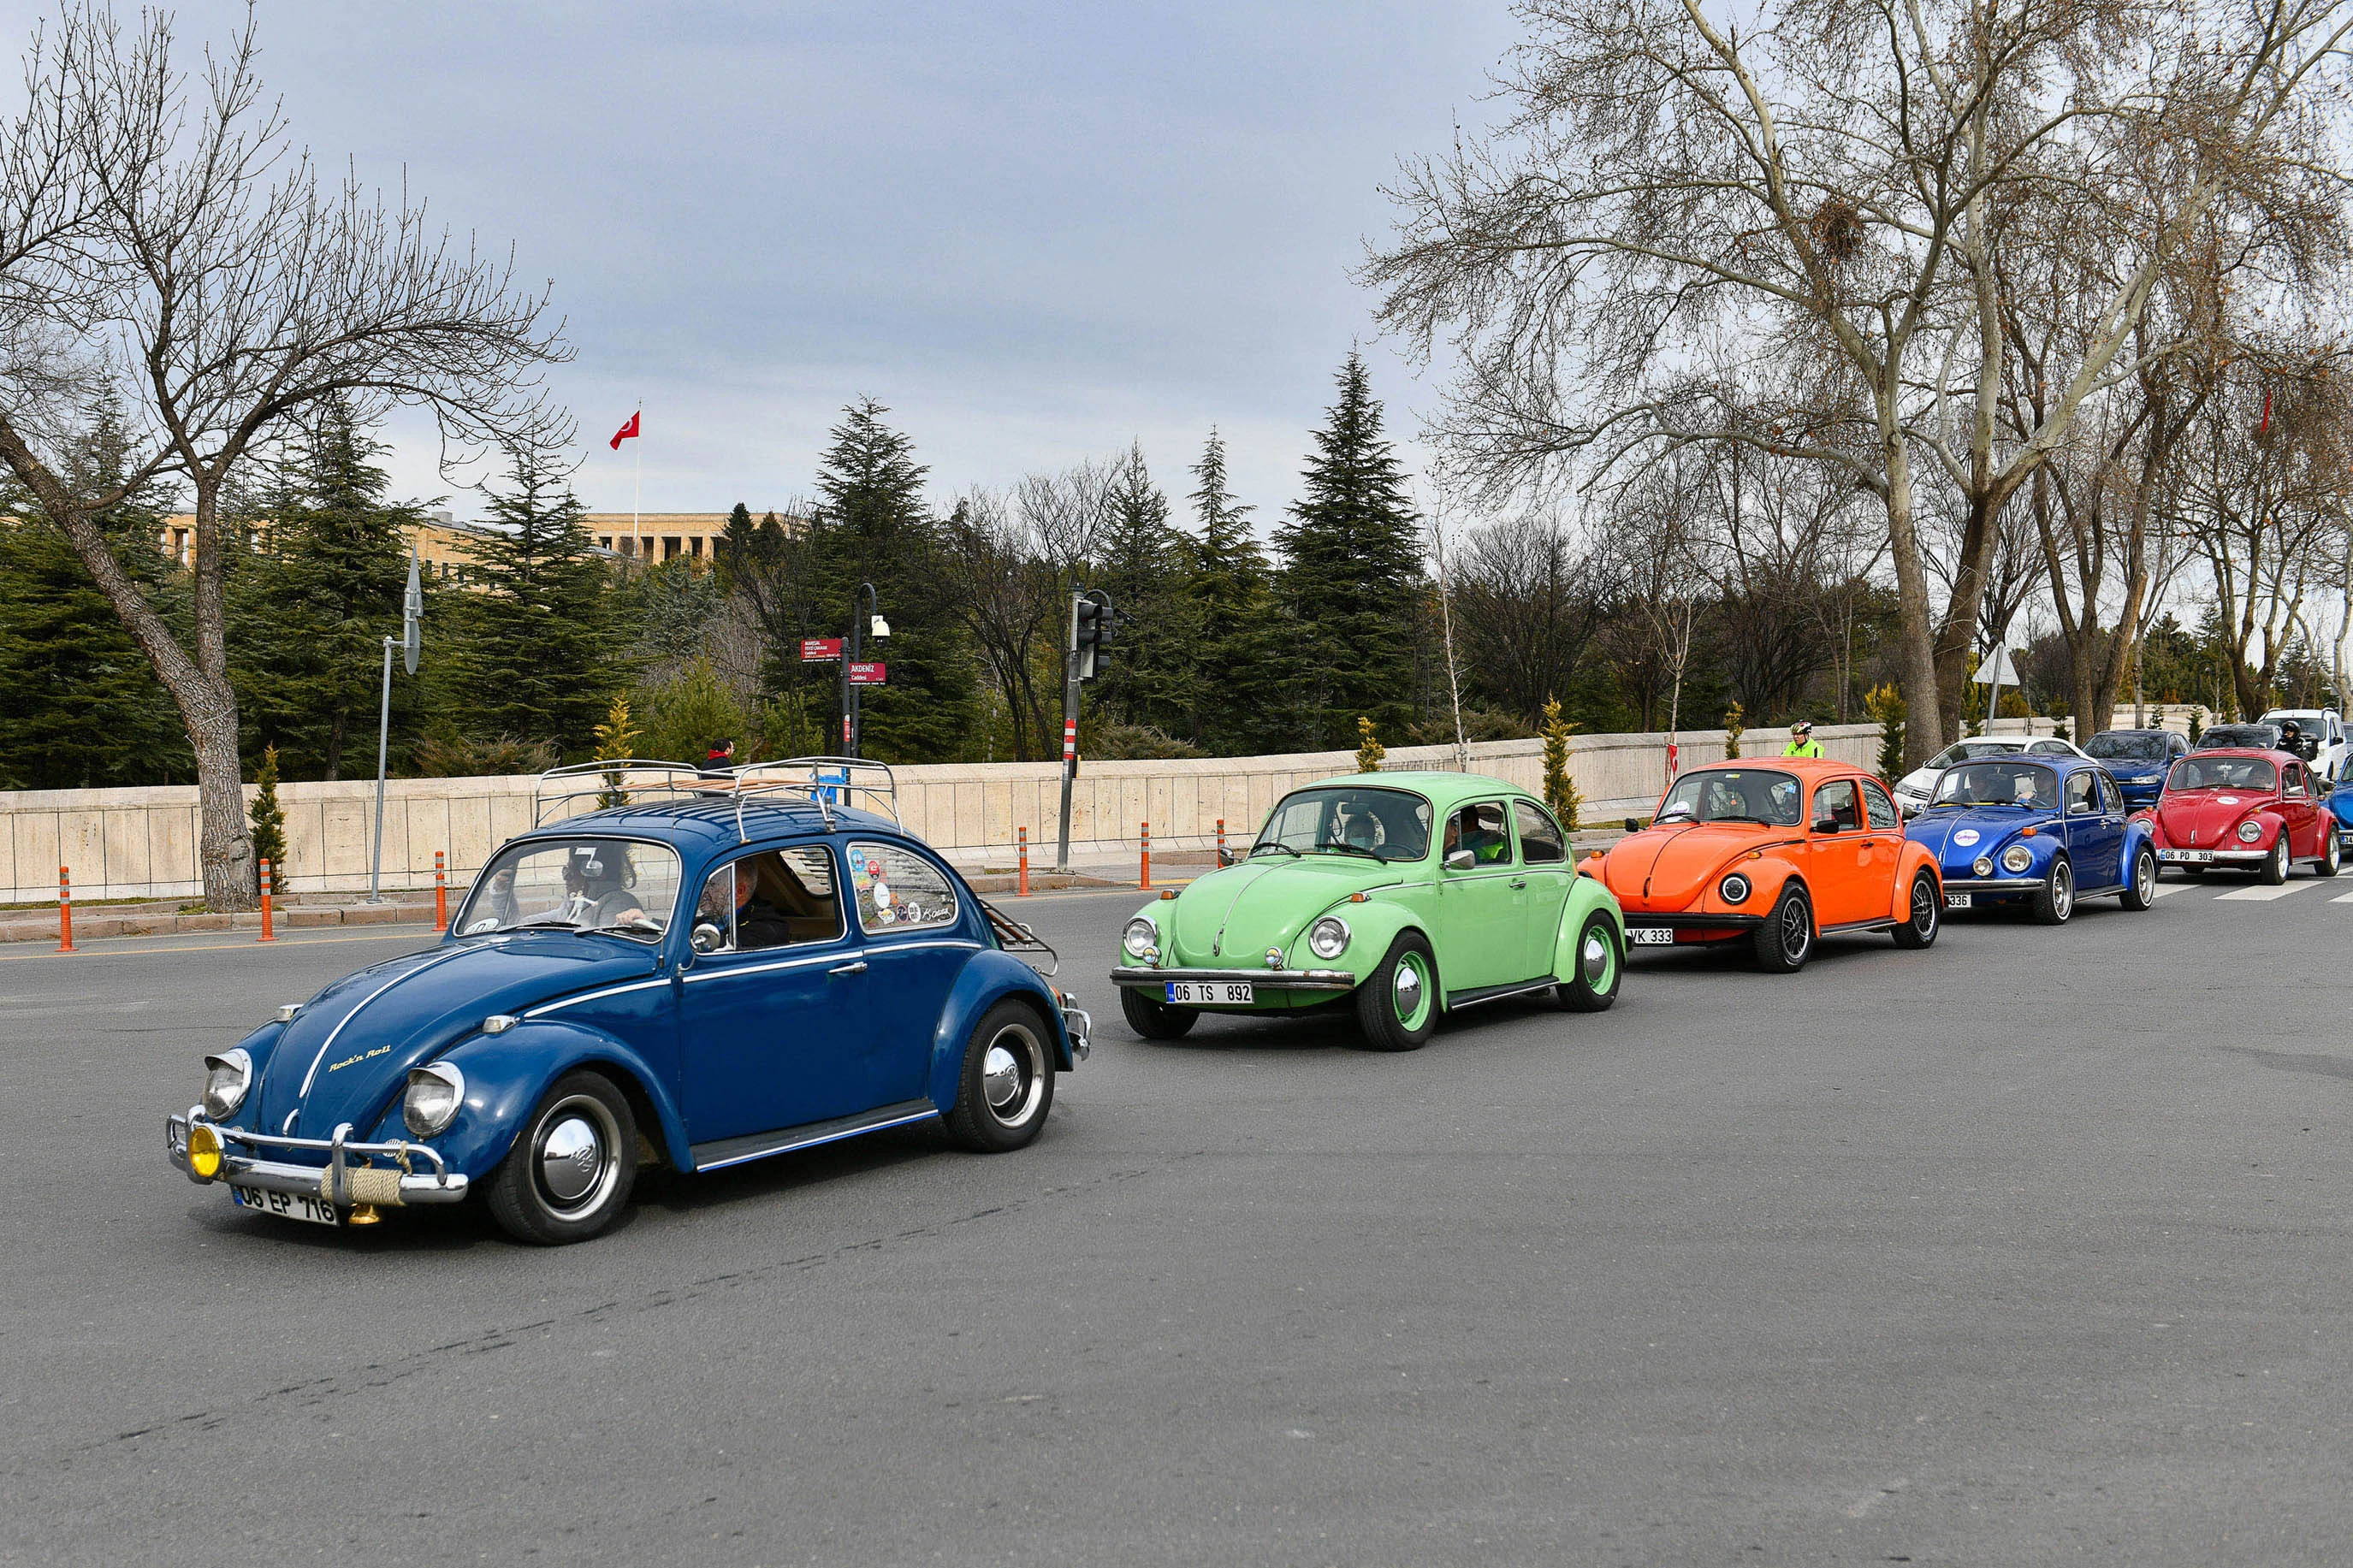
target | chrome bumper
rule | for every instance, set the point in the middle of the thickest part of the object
(338, 1182)
(1081, 1027)
(1272, 979)
(1994, 884)
(2220, 857)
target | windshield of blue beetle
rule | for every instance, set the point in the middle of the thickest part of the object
(2223, 773)
(1345, 819)
(2010, 781)
(2126, 748)
(621, 886)
(1734, 794)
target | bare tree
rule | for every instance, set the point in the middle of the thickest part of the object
(211, 283)
(1527, 604)
(1811, 210)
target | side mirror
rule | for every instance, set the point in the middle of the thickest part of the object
(705, 938)
(1463, 860)
(1826, 825)
(1633, 825)
(1228, 858)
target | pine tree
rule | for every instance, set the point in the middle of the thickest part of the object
(1735, 724)
(1144, 563)
(875, 529)
(539, 660)
(310, 610)
(80, 703)
(269, 822)
(1352, 571)
(1239, 687)
(1369, 750)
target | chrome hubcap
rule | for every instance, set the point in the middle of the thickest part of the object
(2147, 877)
(1409, 990)
(2063, 889)
(1013, 1075)
(1595, 958)
(572, 1154)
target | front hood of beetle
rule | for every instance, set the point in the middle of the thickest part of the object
(1230, 917)
(2208, 819)
(1669, 868)
(1958, 837)
(355, 1041)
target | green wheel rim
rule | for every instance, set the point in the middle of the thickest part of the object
(1410, 989)
(1597, 959)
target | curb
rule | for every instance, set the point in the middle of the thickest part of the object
(43, 927)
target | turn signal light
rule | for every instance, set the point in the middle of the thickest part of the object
(203, 1151)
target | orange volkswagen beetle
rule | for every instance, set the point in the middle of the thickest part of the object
(1777, 854)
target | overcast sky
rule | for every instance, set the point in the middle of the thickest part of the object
(1035, 231)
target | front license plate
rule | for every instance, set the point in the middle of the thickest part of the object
(285, 1205)
(2186, 856)
(1651, 936)
(1210, 993)
(1958, 900)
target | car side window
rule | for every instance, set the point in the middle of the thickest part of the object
(1482, 830)
(777, 898)
(1835, 801)
(2110, 801)
(2292, 780)
(1540, 840)
(1880, 809)
(2048, 749)
(899, 891)
(2080, 793)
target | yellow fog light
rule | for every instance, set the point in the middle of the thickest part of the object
(203, 1151)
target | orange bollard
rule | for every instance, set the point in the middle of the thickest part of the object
(268, 932)
(440, 892)
(1147, 882)
(65, 911)
(1025, 862)
(1221, 841)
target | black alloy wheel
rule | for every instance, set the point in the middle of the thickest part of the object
(1927, 909)
(1785, 940)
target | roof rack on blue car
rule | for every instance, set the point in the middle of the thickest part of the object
(614, 781)
(827, 782)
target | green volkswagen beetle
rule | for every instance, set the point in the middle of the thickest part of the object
(1401, 895)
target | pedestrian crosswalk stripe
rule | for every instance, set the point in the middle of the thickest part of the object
(2165, 888)
(2261, 894)
(2342, 898)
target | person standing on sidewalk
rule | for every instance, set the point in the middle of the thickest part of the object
(1801, 741)
(721, 759)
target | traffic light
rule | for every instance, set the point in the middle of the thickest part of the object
(1093, 636)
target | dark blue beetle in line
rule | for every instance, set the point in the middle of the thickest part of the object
(2040, 831)
(741, 968)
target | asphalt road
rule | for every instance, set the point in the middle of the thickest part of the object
(2031, 1248)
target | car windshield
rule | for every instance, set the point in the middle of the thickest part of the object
(620, 886)
(1963, 751)
(2127, 746)
(2254, 737)
(2224, 773)
(2010, 781)
(1350, 819)
(1734, 794)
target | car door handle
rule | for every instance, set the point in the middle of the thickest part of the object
(857, 968)
(1519, 881)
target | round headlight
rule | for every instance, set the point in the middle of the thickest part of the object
(1733, 889)
(1328, 938)
(227, 1077)
(204, 1150)
(435, 1092)
(1982, 866)
(2250, 830)
(2017, 858)
(1140, 937)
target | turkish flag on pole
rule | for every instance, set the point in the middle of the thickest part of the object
(627, 431)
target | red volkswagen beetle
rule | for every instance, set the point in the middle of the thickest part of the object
(2260, 810)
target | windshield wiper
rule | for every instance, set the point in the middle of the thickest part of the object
(1272, 844)
(1353, 850)
(1741, 816)
(544, 922)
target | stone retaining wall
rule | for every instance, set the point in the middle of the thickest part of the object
(141, 843)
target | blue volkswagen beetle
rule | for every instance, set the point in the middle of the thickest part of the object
(2340, 809)
(2039, 831)
(743, 967)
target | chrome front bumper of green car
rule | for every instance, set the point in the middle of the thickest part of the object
(1140, 978)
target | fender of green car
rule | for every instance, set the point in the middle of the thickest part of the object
(1587, 897)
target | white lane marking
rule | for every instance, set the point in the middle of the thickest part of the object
(2262, 894)
(2165, 888)
(2342, 898)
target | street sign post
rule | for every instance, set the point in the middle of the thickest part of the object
(410, 642)
(863, 673)
(820, 650)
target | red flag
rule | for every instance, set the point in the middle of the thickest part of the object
(2266, 423)
(627, 431)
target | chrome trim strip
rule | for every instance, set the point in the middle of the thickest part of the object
(789, 1140)
(325, 1045)
(1272, 979)
(770, 966)
(596, 996)
(1460, 999)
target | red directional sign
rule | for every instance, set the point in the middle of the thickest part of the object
(865, 674)
(815, 650)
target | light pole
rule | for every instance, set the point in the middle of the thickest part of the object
(412, 608)
(871, 621)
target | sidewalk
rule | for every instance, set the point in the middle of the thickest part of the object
(163, 918)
